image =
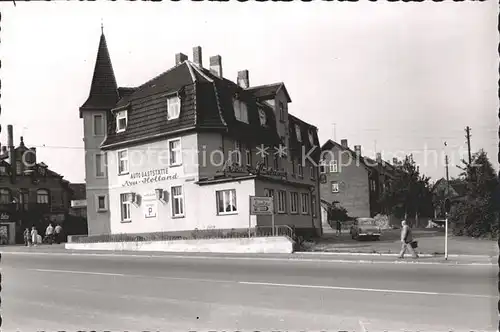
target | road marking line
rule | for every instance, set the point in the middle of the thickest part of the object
(81, 272)
(362, 289)
(377, 290)
(290, 259)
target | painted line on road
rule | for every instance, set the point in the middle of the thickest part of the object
(290, 259)
(81, 272)
(257, 283)
(363, 289)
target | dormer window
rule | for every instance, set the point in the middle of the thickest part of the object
(173, 107)
(297, 132)
(240, 111)
(262, 117)
(121, 121)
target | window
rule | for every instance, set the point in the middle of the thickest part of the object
(121, 121)
(98, 125)
(175, 152)
(282, 111)
(322, 167)
(335, 187)
(313, 205)
(311, 137)
(266, 161)
(262, 117)
(236, 152)
(177, 201)
(19, 168)
(334, 166)
(281, 201)
(373, 185)
(101, 203)
(293, 166)
(123, 162)
(301, 169)
(305, 203)
(42, 196)
(5, 196)
(297, 132)
(125, 207)
(3, 170)
(24, 198)
(312, 171)
(248, 157)
(173, 107)
(100, 165)
(270, 193)
(294, 202)
(226, 201)
(240, 111)
(276, 162)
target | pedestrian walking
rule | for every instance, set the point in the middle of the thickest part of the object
(58, 233)
(27, 237)
(49, 234)
(407, 242)
(34, 236)
(339, 228)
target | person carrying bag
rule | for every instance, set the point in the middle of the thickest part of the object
(407, 242)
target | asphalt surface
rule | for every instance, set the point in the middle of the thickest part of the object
(58, 291)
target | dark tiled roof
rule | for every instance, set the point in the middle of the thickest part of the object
(296, 146)
(269, 91)
(364, 161)
(103, 89)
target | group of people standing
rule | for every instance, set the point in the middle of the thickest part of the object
(52, 234)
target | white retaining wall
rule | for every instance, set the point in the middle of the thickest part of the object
(256, 245)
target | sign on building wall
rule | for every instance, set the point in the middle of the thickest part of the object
(261, 205)
(78, 203)
(150, 209)
(149, 176)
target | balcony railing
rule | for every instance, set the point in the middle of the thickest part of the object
(281, 230)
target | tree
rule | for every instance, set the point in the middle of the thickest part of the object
(476, 214)
(409, 194)
(336, 212)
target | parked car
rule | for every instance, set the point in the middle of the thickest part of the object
(365, 227)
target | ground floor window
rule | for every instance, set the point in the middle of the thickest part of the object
(177, 201)
(281, 201)
(294, 202)
(305, 203)
(125, 207)
(226, 201)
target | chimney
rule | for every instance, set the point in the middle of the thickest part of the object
(379, 157)
(216, 65)
(343, 142)
(243, 79)
(357, 149)
(180, 58)
(10, 143)
(197, 57)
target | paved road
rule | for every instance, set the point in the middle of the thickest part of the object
(54, 292)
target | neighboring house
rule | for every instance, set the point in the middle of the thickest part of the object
(456, 192)
(30, 193)
(356, 182)
(180, 152)
(78, 200)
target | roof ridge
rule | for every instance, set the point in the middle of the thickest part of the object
(195, 67)
(264, 85)
(140, 87)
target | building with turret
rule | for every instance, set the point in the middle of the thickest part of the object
(186, 149)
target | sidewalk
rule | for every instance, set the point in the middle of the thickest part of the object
(298, 256)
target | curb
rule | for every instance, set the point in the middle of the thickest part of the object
(339, 253)
(289, 259)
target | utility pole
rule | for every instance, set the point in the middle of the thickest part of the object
(447, 210)
(467, 136)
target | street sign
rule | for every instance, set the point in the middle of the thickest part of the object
(261, 205)
(150, 208)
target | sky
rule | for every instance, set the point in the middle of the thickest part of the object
(395, 78)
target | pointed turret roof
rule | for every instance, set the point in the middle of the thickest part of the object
(103, 90)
